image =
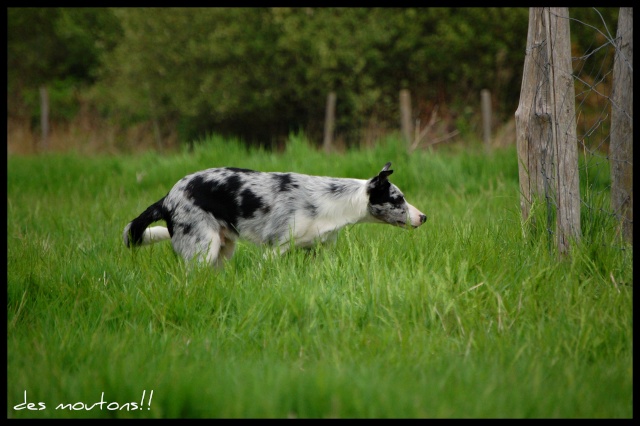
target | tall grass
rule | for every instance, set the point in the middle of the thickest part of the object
(463, 317)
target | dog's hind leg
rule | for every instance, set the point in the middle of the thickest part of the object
(201, 245)
(204, 249)
(197, 248)
(227, 247)
(212, 251)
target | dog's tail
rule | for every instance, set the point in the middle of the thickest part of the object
(136, 232)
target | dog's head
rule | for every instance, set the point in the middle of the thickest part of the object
(387, 203)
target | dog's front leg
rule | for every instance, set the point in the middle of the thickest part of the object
(330, 238)
(277, 251)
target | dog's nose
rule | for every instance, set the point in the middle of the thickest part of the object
(423, 218)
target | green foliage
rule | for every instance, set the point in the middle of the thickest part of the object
(262, 73)
(459, 318)
(56, 47)
(63, 100)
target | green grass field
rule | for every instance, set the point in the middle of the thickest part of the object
(463, 317)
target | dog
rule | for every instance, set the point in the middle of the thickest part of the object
(207, 211)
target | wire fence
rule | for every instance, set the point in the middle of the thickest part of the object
(574, 129)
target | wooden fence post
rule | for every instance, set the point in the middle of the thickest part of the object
(546, 125)
(485, 106)
(44, 117)
(532, 123)
(154, 116)
(564, 134)
(329, 121)
(405, 116)
(621, 146)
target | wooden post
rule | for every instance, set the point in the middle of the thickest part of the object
(154, 116)
(621, 146)
(485, 106)
(329, 121)
(532, 122)
(405, 115)
(563, 124)
(44, 117)
(546, 125)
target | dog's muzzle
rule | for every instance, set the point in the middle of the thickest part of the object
(417, 218)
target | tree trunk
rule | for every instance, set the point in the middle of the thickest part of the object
(621, 147)
(546, 125)
(533, 129)
(565, 140)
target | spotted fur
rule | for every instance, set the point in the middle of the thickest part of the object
(207, 211)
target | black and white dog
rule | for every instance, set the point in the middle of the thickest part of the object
(207, 211)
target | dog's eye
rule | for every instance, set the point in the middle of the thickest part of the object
(397, 200)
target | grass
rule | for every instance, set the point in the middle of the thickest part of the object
(463, 317)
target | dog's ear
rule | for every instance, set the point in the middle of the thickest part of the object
(381, 178)
(385, 172)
